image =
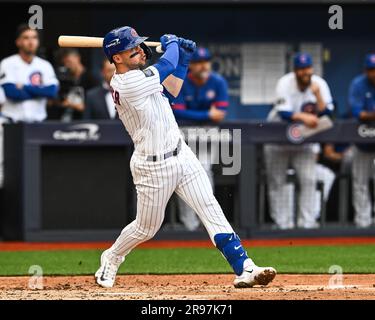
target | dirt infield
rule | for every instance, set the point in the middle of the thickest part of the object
(194, 287)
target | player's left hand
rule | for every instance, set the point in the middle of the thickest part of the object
(166, 40)
(216, 115)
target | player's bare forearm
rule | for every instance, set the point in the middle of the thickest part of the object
(298, 116)
(173, 85)
(310, 120)
(320, 102)
(367, 116)
(319, 99)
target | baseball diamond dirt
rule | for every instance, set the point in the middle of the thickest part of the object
(191, 287)
(188, 286)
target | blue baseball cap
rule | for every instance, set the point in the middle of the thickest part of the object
(201, 54)
(370, 61)
(302, 60)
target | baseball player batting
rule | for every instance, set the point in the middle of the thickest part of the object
(162, 163)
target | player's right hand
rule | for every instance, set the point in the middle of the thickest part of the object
(216, 115)
(186, 50)
(187, 44)
(309, 119)
(166, 40)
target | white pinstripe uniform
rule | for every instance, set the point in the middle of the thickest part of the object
(303, 158)
(148, 117)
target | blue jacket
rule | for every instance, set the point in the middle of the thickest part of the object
(194, 102)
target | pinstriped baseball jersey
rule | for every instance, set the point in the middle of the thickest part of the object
(145, 111)
(148, 117)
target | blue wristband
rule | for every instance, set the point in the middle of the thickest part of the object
(171, 54)
(168, 62)
(181, 72)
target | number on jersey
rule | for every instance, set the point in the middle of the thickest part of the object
(115, 96)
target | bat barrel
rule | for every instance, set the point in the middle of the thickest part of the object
(80, 42)
(93, 42)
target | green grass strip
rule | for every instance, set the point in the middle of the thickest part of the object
(308, 259)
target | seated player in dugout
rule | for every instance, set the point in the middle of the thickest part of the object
(362, 104)
(203, 99)
(302, 96)
(162, 163)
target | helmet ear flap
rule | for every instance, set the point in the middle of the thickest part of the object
(146, 50)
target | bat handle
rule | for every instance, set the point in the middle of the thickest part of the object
(159, 49)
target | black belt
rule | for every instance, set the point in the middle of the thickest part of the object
(166, 155)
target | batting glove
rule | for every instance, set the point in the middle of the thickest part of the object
(167, 39)
(187, 44)
(184, 57)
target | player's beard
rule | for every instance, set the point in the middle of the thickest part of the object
(137, 66)
(371, 78)
(28, 52)
(304, 81)
(203, 75)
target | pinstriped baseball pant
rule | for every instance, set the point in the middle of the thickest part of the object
(363, 168)
(186, 213)
(303, 159)
(155, 183)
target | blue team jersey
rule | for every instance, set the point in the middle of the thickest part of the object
(362, 98)
(194, 102)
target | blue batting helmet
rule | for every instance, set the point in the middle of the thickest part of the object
(121, 39)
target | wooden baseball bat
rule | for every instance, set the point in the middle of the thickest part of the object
(94, 42)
